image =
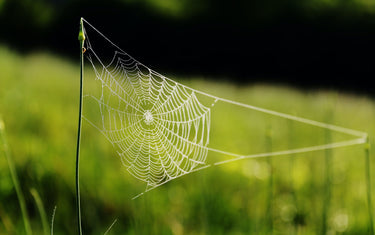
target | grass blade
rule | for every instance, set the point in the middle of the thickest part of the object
(110, 227)
(8, 225)
(270, 183)
(12, 169)
(41, 210)
(53, 219)
(327, 185)
(368, 181)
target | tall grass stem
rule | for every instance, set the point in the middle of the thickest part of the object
(327, 184)
(13, 174)
(270, 182)
(81, 38)
(368, 181)
(328, 155)
(291, 172)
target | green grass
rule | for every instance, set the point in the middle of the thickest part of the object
(15, 182)
(39, 105)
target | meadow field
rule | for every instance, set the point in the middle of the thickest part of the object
(321, 192)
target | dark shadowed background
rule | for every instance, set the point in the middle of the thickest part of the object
(308, 44)
(311, 43)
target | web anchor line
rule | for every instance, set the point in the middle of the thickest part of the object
(160, 128)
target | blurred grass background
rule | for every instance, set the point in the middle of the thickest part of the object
(38, 103)
(255, 52)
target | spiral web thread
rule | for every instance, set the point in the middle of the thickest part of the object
(160, 128)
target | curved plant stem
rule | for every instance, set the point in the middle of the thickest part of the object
(81, 38)
(41, 210)
(53, 219)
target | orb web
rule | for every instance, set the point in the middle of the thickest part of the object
(159, 127)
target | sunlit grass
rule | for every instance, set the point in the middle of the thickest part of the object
(39, 105)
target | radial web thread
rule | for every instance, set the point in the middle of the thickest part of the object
(159, 127)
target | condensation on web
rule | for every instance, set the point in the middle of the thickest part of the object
(161, 128)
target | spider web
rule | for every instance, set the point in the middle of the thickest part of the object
(160, 128)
